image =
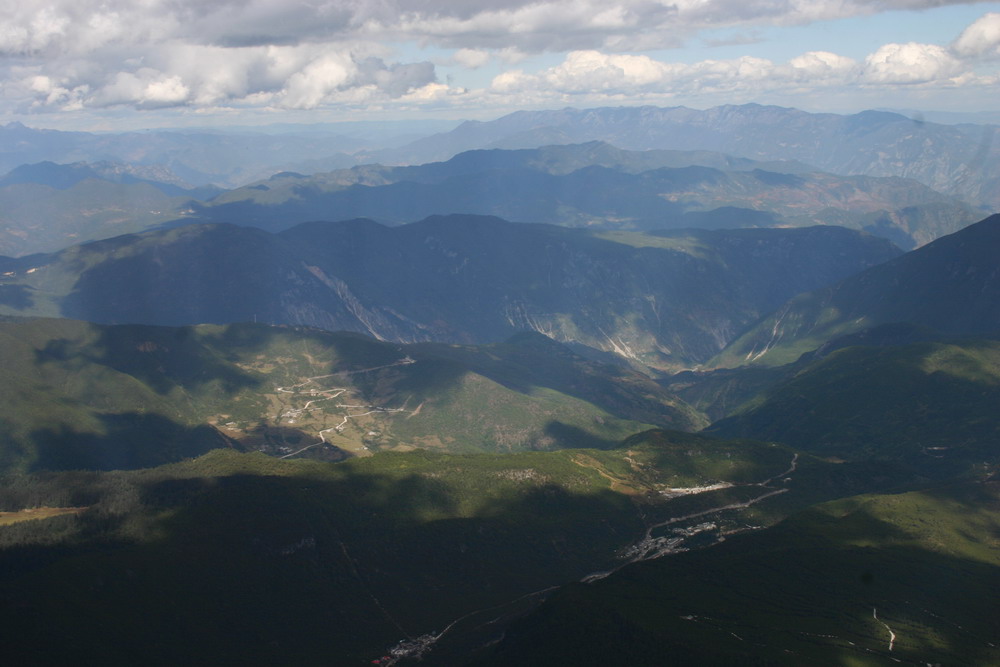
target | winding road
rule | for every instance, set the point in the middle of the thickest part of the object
(648, 548)
(331, 393)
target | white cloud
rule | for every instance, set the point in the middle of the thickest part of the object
(823, 66)
(298, 77)
(591, 70)
(308, 87)
(52, 94)
(79, 26)
(585, 76)
(586, 72)
(63, 27)
(910, 63)
(471, 58)
(980, 39)
(431, 92)
(68, 54)
(146, 89)
(165, 91)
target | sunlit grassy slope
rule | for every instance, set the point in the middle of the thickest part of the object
(83, 396)
(930, 407)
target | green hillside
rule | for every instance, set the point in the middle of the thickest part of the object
(86, 396)
(930, 407)
(687, 409)
(950, 285)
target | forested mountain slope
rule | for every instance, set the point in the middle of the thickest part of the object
(664, 299)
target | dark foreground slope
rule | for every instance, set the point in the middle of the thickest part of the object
(235, 559)
(663, 299)
(874, 580)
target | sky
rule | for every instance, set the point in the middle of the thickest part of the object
(128, 64)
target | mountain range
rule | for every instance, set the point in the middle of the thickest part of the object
(660, 299)
(84, 396)
(595, 185)
(47, 206)
(950, 286)
(339, 417)
(961, 160)
(598, 186)
(202, 157)
(911, 181)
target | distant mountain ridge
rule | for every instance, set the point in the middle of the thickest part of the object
(46, 206)
(599, 186)
(664, 300)
(65, 176)
(962, 160)
(558, 159)
(199, 157)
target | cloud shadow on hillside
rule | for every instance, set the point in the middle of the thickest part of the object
(163, 358)
(17, 297)
(128, 441)
(288, 564)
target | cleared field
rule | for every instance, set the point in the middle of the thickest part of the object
(7, 518)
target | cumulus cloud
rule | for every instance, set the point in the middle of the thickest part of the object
(981, 39)
(62, 27)
(315, 82)
(302, 77)
(910, 63)
(76, 26)
(68, 54)
(471, 58)
(823, 66)
(585, 74)
(592, 70)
